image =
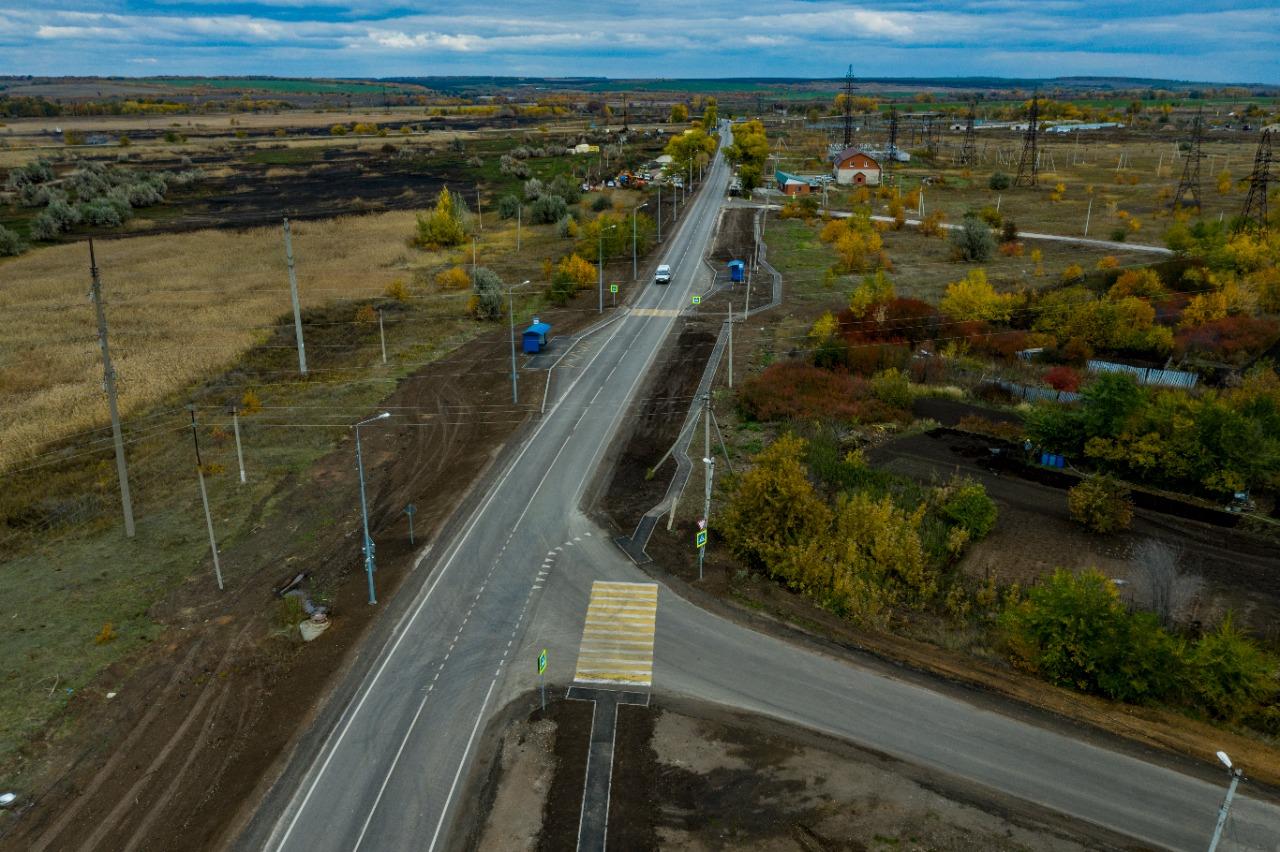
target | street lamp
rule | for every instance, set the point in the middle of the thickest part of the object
(635, 273)
(364, 507)
(511, 316)
(600, 262)
(1235, 774)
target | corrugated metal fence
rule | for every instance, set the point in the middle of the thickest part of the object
(1148, 375)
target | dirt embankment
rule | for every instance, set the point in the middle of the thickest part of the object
(201, 721)
(690, 776)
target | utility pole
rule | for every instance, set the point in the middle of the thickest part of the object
(519, 211)
(1087, 215)
(382, 337)
(635, 269)
(235, 427)
(969, 151)
(709, 461)
(109, 383)
(479, 212)
(204, 498)
(659, 215)
(730, 343)
(473, 261)
(600, 263)
(293, 292)
(511, 315)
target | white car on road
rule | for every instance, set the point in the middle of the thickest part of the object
(663, 275)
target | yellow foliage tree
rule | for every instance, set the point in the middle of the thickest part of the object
(578, 270)
(824, 328)
(973, 298)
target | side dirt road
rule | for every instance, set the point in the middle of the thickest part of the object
(174, 750)
(696, 777)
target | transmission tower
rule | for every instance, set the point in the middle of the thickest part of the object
(848, 108)
(931, 135)
(1029, 162)
(892, 150)
(1188, 192)
(969, 153)
(1255, 205)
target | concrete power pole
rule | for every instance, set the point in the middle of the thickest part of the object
(109, 383)
(293, 292)
(204, 498)
(709, 461)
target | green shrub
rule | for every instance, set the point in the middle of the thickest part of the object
(1000, 181)
(972, 241)
(1101, 504)
(508, 206)
(486, 295)
(969, 508)
(601, 203)
(547, 209)
(892, 387)
(1228, 675)
(10, 244)
(1074, 631)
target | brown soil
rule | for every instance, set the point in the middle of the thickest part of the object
(693, 776)
(204, 718)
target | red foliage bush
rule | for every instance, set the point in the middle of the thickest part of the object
(1063, 379)
(795, 390)
(1000, 344)
(1233, 339)
(909, 321)
(867, 358)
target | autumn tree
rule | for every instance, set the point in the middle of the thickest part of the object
(773, 506)
(1101, 504)
(444, 226)
(973, 299)
(679, 114)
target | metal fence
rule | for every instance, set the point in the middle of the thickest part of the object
(1148, 375)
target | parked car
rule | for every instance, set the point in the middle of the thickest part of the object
(663, 275)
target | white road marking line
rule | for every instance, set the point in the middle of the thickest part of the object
(470, 741)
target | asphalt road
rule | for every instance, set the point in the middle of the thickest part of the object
(516, 578)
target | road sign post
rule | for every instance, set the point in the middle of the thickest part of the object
(697, 300)
(409, 510)
(700, 541)
(542, 685)
(613, 294)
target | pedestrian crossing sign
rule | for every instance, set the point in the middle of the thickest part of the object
(701, 538)
(542, 661)
(697, 300)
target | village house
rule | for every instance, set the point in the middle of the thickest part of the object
(854, 167)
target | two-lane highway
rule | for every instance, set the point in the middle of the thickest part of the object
(387, 777)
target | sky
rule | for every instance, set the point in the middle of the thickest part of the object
(1211, 40)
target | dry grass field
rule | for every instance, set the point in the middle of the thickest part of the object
(184, 306)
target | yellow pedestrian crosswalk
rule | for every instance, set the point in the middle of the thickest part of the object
(655, 312)
(617, 638)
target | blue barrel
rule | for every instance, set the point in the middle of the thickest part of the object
(1044, 460)
(1060, 461)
